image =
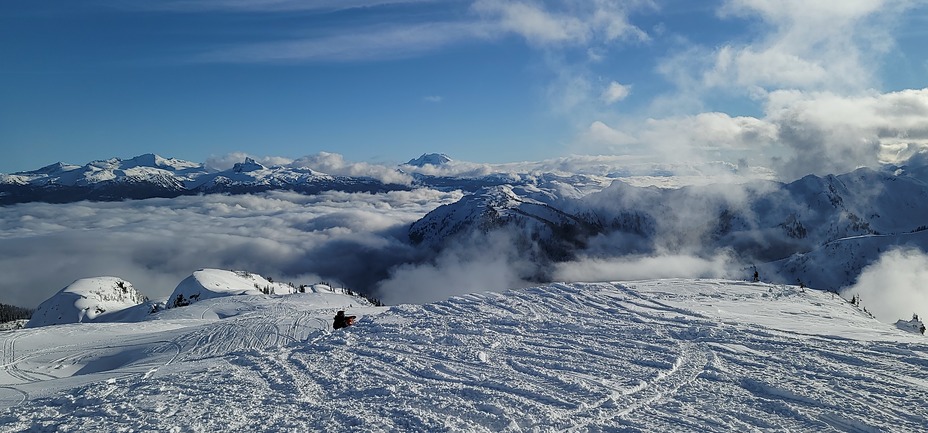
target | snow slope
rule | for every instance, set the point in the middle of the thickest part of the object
(660, 355)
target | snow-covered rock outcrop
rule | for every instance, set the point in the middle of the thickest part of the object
(85, 300)
(915, 326)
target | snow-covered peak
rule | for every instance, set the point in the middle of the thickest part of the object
(247, 166)
(149, 169)
(156, 161)
(52, 169)
(430, 159)
(86, 300)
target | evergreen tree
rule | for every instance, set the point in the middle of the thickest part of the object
(9, 313)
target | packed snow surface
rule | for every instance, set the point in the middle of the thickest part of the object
(660, 355)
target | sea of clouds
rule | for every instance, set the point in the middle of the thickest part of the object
(352, 239)
(360, 241)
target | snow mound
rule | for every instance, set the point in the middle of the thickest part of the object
(86, 299)
(215, 283)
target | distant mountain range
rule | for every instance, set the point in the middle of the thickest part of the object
(821, 230)
(149, 176)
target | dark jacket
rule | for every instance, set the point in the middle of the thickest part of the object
(342, 321)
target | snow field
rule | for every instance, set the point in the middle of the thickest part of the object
(661, 355)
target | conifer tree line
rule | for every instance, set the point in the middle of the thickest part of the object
(9, 313)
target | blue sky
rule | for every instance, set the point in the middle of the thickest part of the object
(793, 85)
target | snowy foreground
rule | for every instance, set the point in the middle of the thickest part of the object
(662, 355)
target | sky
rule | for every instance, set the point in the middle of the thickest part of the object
(795, 86)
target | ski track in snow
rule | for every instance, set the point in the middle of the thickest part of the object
(579, 357)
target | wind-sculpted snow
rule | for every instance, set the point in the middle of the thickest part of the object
(661, 355)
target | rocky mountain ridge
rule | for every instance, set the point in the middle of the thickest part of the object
(821, 229)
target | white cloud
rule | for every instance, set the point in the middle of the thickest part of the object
(800, 133)
(822, 46)
(600, 134)
(346, 237)
(432, 98)
(376, 43)
(483, 263)
(563, 22)
(260, 5)
(694, 138)
(615, 92)
(646, 267)
(812, 68)
(531, 21)
(894, 287)
(831, 133)
(335, 164)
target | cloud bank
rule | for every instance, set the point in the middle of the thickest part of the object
(801, 133)
(480, 263)
(348, 238)
(894, 287)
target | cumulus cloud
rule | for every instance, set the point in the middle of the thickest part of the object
(615, 92)
(349, 238)
(800, 133)
(810, 69)
(830, 133)
(894, 287)
(821, 46)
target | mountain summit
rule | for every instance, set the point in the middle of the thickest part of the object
(435, 159)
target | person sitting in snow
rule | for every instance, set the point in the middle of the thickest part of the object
(342, 321)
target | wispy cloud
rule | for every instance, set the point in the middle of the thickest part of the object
(543, 24)
(433, 98)
(360, 44)
(260, 5)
